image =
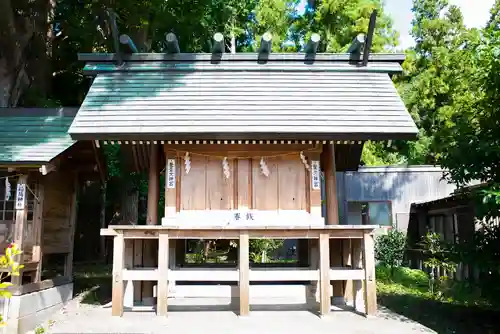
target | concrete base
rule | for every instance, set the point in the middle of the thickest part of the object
(292, 294)
(24, 313)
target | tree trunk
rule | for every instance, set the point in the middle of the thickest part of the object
(24, 37)
(129, 204)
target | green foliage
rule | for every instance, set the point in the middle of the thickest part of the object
(474, 148)
(260, 249)
(437, 260)
(274, 16)
(459, 310)
(339, 21)
(482, 253)
(410, 278)
(415, 282)
(389, 248)
(434, 76)
(10, 267)
(376, 154)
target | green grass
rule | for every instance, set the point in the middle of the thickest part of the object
(458, 309)
(94, 282)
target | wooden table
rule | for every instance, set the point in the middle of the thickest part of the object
(363, 256)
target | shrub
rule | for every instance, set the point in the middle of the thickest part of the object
(389, 249)
(437, 259)
(8, 261)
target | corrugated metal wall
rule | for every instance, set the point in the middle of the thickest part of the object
(400, 185)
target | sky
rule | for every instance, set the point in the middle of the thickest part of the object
(476, 13)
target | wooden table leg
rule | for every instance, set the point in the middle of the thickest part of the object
(347, 262)
(244, 268)
(324, 272)
(162, 287)
(129, 264)
(118, 264)
(357, 285)
(369, 266)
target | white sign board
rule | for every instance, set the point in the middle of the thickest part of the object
(315, 175)
(251, 217)
(245, 217)
(20, 195)
(171, 173)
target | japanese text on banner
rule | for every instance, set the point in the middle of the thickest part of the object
(315, 175)
(171, 173)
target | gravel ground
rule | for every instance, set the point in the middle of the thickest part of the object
(83, 318)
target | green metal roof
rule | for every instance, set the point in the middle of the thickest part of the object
(34, 135)
(194, 96)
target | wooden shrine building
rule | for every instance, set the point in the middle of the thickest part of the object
(41, 170)
(247, 143)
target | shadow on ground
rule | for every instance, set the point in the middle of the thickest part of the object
(94, 282)
(442, 317)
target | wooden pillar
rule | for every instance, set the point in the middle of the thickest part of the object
(68, 266)
(153, 186)
(329, 169)
(357, 263)
(118, 264)
(162, 287)
(172, 205)
(102, 221)
(332, 214)
(324, 274)
(313, 252)
(369, 267)
(313, 201)
(38, 228)
(129, 263)
(21, 219)
(347, 262)
(244, 268)
(150, 246)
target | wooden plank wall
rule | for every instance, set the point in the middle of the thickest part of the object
(58, 190)
(206, 188)
(288, 186)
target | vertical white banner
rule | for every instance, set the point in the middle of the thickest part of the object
(315, 175)
(171, 173)
(20, 194)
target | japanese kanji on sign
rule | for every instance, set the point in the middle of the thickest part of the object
(20, 194)
(315, 175)
(171, 173)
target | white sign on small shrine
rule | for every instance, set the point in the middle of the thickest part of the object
(20, 195)
(315, 175)
(171, 173)
(244, 216)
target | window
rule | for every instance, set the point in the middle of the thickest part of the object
(8, 214)
(369, 213)
(446, 225)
